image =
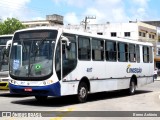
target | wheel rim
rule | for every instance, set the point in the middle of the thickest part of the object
(82, 92)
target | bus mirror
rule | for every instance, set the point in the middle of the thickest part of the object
(68, 43)
(9, 42)
(5, 53)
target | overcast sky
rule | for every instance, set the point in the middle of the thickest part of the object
(74, 11)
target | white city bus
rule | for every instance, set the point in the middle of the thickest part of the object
(4, 54)
(57, 62)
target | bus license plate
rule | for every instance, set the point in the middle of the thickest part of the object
(28, 89)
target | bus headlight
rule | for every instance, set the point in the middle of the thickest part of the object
(12, 81)
(44, 82)
(47, 82)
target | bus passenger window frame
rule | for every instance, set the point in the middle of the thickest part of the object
(97, 48)
(111, 53)
(84, 47)
(124, 53)
(151, 54)
(145, 54)
(132, 51)
(138, 54)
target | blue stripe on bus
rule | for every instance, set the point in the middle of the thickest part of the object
(49, 90)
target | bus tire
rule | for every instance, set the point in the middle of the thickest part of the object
(82, 92)
(41, 98)
(132, 87)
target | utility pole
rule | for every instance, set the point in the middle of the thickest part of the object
(85, 21)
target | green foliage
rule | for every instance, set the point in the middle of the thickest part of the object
(10, 25)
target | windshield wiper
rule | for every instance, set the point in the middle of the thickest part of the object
(42, 40)
(37, 47)
(35, 54)
(25, 50)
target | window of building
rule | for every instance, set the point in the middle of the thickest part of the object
(99, 33)
(144, 35)
(132, 53)
(138, 53)
(145, 54)
(122, 52)
(113, 34)
(158, 51)
(153, 36)
(44, 25)
(111, 51)
(84, 49)
(97, 49)
(127, 34)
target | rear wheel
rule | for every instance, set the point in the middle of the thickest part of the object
(41, 98)
(132, 87)
(82, 92)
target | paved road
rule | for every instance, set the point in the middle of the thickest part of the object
(147, 98)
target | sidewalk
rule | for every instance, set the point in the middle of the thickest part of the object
(158, 78)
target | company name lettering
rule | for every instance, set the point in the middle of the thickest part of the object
(134, 70)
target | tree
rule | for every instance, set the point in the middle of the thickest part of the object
(10, 25)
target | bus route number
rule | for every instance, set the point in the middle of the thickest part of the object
(89, 69)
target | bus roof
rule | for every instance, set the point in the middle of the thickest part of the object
(8, 35)
(127, 40)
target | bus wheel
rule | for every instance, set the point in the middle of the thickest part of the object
(41, 98)
(82, 92)
(132, 87)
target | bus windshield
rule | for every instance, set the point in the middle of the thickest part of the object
(32, 54)
(4, 58)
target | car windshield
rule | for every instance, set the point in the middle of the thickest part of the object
(32, 54)
(3, 58)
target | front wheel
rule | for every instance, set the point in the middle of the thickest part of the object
(82, 92)
(41, 98)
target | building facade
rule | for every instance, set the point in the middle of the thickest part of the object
(138, 31)
(157, 56)
(133, 30)
(51, 20)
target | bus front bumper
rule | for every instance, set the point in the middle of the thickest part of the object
(49, 90)
(4, 86)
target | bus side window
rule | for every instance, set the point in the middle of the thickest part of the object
(138, 53)
(150, 55)
(97, 49)
(111, 51)
(84, 49)
(69, 56)
(122, 52)
(145, 54)
(132, 53)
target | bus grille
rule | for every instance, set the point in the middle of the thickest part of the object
(4, 80)
(3, 84)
